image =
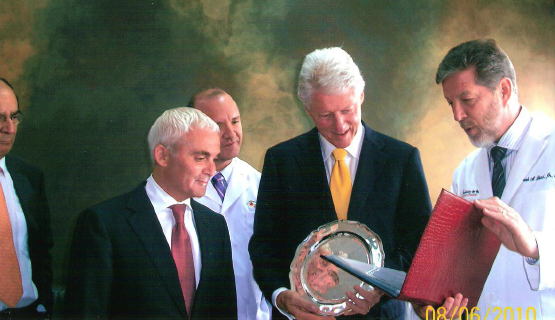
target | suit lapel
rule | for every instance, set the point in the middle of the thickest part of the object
(203, 229)
(371, 161)
(311, 166)
(22, 188)
(147, 227)
(532, 146)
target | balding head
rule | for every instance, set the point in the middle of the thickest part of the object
(9, 117)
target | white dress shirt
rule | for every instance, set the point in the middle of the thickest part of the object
(19, 230)
(511, 140)
(351, 159)
(161, 201)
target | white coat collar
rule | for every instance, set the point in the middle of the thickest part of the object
(533, 145)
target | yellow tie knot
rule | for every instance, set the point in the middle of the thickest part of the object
(339, 154)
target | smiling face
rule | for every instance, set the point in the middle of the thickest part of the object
(477, 110)
(8, 108)
(223, 110)
(185, 170)
(337, 116)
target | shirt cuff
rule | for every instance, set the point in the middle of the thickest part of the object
(532, 269)
(274, 297)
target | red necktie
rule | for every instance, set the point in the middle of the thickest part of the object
(11, 289)
(183, 256)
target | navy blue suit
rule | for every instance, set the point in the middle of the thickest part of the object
(389, 195)
(121, 265)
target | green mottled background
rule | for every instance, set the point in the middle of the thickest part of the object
(94, 75)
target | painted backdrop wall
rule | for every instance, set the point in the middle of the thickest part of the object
(94, 75)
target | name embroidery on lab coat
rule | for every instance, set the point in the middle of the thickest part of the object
(538, 177)
(470, 193)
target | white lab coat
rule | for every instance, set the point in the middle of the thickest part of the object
(530, 190)
(238, 209)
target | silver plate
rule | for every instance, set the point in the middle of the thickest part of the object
(322, 283)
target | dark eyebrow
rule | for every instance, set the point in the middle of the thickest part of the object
(201, 153)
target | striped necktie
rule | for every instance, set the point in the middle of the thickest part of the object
(498, 174)
(220, 184)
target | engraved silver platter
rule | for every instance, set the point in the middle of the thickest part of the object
(324, 284)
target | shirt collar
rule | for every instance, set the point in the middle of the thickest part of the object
(3, 165)
(353, 149)
(512, 139)
(159, 198)
(226, 172)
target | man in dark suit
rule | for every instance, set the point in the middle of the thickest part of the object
(385, 187)
(154, 252)
(25, 234)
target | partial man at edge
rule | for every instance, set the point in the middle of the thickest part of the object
(25, 234)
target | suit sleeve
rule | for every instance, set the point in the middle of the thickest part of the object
(413, 211)
(90, 269)
(270, 267)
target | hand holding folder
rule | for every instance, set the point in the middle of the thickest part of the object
(455, 255)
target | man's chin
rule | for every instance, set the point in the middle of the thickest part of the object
(481, 142)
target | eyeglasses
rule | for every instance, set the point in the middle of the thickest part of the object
(15, 118)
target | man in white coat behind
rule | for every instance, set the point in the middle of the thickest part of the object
(511, 177)
(233, 193)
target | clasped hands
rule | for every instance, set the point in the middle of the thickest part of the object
(302, 309)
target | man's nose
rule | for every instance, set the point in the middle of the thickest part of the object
(8, 126)
(227, 131)
(339, 123)
(458, 112)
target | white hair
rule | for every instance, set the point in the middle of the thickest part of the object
(329, 71)
(173, 124)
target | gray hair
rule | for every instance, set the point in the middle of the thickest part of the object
(329, 71)
(174, 123)
(491, 62)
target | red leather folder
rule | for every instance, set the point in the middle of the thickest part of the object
(455, 254)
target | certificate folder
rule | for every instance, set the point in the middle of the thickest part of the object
(455, 255)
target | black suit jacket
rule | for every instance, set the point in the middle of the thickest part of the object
(121, 265)
(28, 182)
(389, 195)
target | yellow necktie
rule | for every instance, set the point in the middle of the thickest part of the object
(340, 184)
(10, 277)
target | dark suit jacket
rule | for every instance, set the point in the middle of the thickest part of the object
(28, 182)
(389, 195)
(121, 265)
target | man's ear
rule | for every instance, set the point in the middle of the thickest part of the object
(161, 155)
(362, 97)
(506, 90)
